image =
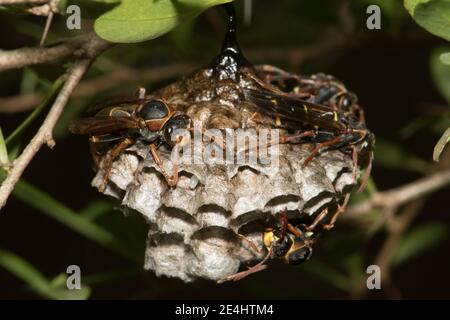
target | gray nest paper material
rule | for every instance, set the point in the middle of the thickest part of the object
(194, 226)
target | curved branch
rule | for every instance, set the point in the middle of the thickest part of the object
(396, 197)
(44, 135)
(9, 2)
(19, 58)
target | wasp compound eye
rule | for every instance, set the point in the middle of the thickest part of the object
(300, 255)
(154, 109)
(176, 127)
(346, 102)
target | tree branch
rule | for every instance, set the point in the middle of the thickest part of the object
(396, 197)
(24, 57)
(9, 2)
(44, 135)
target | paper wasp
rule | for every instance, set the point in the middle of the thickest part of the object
(149, 120)
(321, 89)
(291, 244)
(336, 123)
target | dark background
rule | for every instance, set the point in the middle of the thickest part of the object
(389, 69)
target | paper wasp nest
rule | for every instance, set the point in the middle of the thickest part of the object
(194, 227)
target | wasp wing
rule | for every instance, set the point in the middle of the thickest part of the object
(295, 109)
(102, 125)
(125, 101)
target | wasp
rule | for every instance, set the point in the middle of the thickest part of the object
(291, 244)
(321, 89)
(151, 121)
(331, 118)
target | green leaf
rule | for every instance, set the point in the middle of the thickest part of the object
(95, 209)
(4, 160)
(445, 58)
(394, 156)
(432, 15)
(29, 81)
(58, 288)
(55, 289)
(419, 240)
(410, 5)
(440, 145)
(140, 20)
(24, 270)
(440, 72)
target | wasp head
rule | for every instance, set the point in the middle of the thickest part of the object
(154, 113)
(176, 130)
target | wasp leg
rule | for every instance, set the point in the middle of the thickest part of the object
(265, 85)
(171, 180)
(285, 226)
(276, 73)
(109, 159)
(284, 223)
(283, 139)
(293, 137)
(339, 211)
(102, 138)
(365, 177)
(318, 219)
(355, 161)
(256, 268)
(250, 242)
(140, 93)
(95, 155)
(270, 68)
(321, 146)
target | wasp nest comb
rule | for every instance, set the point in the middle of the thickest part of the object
(195, 227)
(208, 216)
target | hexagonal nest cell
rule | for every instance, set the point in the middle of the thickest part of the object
(195, 227)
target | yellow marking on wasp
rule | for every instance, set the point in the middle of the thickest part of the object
(268, 238)
(296, 89)
(306, 110)
(274, 101)
(278, 121)
(335, 116)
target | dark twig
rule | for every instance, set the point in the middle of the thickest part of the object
(401, 195)
(44, 135)
(412, 197)
(9, 2)
(24, 57)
